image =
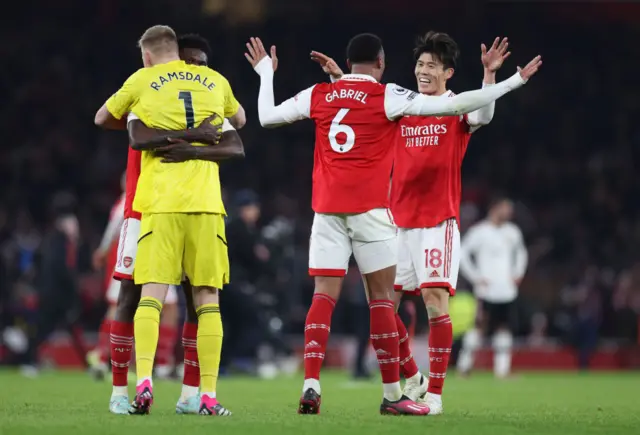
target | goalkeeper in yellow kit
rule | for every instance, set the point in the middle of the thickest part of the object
(182, 227)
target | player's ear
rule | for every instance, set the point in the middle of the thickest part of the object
(349, 65)
(146, 58)
(448, 73)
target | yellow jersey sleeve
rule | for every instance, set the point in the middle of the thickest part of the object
(231, 105)
(126, 97)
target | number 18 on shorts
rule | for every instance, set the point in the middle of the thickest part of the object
(428, 257)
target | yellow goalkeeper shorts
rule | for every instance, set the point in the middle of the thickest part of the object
(171, 244)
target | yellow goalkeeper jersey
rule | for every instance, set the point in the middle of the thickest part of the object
(175, 96)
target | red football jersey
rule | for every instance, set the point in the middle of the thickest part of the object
(133, 173)
(354, 146)
(427, 184)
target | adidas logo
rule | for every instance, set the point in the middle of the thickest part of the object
(382, 352)
(434, 274)
(312, 344)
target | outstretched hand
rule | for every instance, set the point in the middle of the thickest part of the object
(531, 68)
(329, 66)
(493, 59)
(256, 52)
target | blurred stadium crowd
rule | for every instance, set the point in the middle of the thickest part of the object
(565, 148)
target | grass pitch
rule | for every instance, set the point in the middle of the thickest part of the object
(72, 403)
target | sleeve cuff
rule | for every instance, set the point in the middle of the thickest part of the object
(226, 126)
(264, 66)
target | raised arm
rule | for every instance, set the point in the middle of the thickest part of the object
(400, 101)
(270, 115)
(491, 60)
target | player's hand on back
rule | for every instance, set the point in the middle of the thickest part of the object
(211, 130)
(493, 59)
(256, 52)
(531, 68)
(177, 151)
(329, 66)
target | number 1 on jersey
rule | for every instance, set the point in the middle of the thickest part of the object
(185, 96)
(337, 128)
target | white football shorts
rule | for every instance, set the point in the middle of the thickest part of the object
(126, 260)
(428, 257)
(371, 237)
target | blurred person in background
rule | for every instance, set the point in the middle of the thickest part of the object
(57, 281)
(251, 262)
(583, 303)
(494, 259)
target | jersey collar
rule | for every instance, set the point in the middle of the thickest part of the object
(358, 77)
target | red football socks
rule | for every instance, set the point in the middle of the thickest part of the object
(191, 368)
(104, 340)
(407, 363)
(440, 341)
(316, 334)
(166, 345)
(384, 339)
(121, 346)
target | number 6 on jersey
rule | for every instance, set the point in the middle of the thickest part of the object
(337, 128)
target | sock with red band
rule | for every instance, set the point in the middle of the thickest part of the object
(121, 338)
(168, 336)
(191, 377)
(440, 341)
(407, 363)
(385, 341)
(316, 336)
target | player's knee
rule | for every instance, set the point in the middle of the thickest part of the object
(127, 301)
(203, 295)
(436, 300)
(502, 341)
(328, 285)
(472, 340)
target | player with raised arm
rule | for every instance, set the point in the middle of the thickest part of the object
(425, 199)
(494, 259)
(181, 203)
(356, 119)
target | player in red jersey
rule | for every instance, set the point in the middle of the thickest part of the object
(425, 200)
(426, 193)
(108, 256)
(356, 120)
(195, 50)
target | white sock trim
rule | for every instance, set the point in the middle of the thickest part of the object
(392, 391)
(313, 384)
(189, 391)
(120, 391)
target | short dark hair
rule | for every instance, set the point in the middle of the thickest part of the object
(195, 41)
(440, 45)
(364, 48)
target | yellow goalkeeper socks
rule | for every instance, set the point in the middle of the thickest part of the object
(209, 345)
(146, 324)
